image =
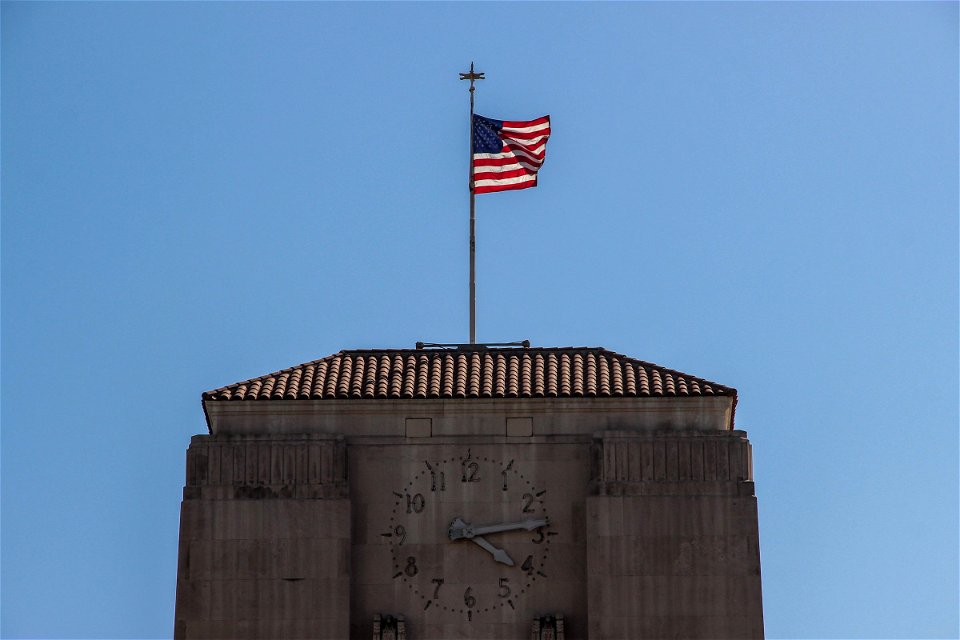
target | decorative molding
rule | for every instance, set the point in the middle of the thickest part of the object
(259, 468)
(626, 463)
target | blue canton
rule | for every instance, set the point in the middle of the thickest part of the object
(486, 135)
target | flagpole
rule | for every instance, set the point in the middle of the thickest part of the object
(471, 76)
(473, 232)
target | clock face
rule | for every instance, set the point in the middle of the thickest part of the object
(470, 535)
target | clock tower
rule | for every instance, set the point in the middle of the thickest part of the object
(470, 491)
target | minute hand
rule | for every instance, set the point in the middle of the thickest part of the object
(529, 525)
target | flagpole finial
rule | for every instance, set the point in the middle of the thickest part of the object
(472, 76)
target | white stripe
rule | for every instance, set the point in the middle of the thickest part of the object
(531, 153)
(528, 154)
(499, 156)
(521, 163)
(494, 168)
(529, 141)
(503, 181)
(505, 167)
(537, 127)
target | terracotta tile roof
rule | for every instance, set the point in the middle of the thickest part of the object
(537, 372)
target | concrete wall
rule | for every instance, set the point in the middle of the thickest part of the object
(673, 543)
(654, 530)
(475, 416)
(264, 539)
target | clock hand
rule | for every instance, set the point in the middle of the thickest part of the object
(498, 554)
(460, 529)
(529, 525)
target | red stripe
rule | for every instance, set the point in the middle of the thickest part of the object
(509, 147)
(515, 151)
(499, 162)
(527, 151)
(524, 166)
(506, 187)
(512, 173)
(492, 168)
(519, 123)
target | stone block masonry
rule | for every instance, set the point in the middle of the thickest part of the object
(264, 539)
(673, 541)
(470, 491)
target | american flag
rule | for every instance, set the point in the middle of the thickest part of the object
(508, 153)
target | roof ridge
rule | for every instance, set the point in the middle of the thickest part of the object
(467, 345)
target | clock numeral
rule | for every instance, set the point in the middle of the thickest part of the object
(468, 598)
(433, 478)
(528, 565)
(528, 500)
(401, 533)
(415, 503)
(471, 469)
(436, 590)
(540, 537)
(504, 588)
(411, 568)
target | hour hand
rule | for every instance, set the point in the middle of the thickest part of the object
(498, 554)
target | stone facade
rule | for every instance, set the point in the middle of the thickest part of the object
(673, 541)
(264, 539)
(600, 518)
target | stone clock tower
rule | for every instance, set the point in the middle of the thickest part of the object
(470, 491)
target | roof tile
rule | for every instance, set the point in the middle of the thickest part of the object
(482, 373)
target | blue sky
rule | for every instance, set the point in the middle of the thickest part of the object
(761, 194)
